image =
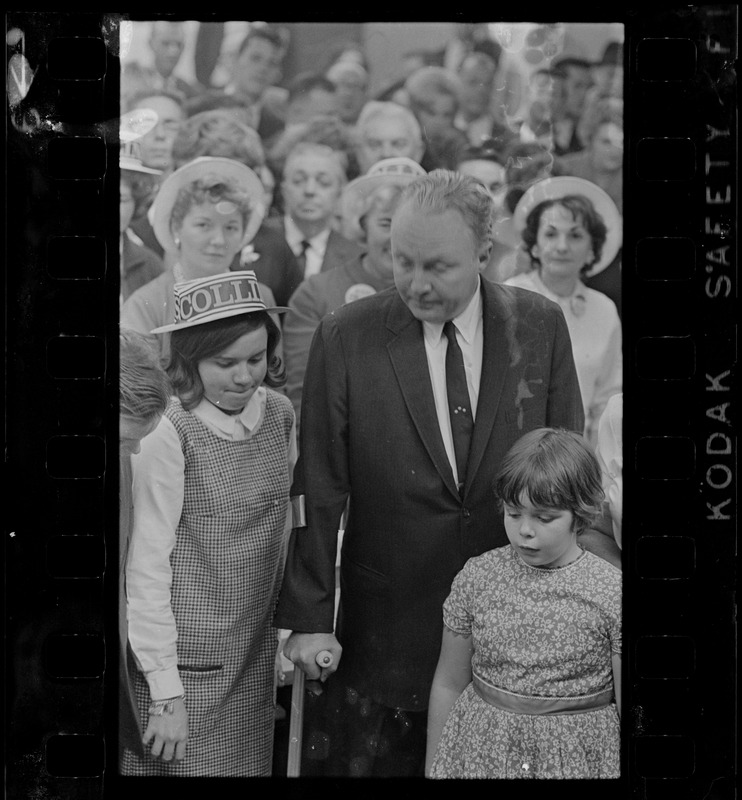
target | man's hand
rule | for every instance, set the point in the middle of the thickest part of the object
(302, 649)
(169, 733)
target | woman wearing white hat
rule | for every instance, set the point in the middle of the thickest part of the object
(571, 229)
(210, 491)
(204, 213)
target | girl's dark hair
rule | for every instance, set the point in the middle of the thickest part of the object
(582, 210)
(552, 468)
(192, 345)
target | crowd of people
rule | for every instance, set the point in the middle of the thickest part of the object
(371, 385)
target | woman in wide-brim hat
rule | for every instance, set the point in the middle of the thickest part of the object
(571, 230)
(203, 215)
(210, 491)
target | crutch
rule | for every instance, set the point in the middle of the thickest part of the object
(323, 659)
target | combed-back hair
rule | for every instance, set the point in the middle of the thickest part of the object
(552, 468)
(190, 346)
(388, 110)
(270, 34)
(306, 82)
(426, 84)
(582, 210)
(218, 133)
(443, 190)
(325, 151)
(146, 93)
(144, 387)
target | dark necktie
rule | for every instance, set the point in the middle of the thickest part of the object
(302, 257)
(459, 406)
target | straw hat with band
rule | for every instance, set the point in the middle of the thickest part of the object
(225, 169)
(132, 127)
(397, 171)
(203, 300)
(553, 189)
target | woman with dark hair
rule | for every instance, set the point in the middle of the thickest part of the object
(571, 229)
(210, 489)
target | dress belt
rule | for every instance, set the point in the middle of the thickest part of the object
(528, 704)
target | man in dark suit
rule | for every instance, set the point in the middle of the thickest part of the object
(376, 433)
(313, 179)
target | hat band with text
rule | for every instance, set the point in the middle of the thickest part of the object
(211, 298)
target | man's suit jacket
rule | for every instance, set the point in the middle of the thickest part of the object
(370, 430)
(339, 249)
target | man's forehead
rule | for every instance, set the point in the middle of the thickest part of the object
(390, 126)
(167, 30)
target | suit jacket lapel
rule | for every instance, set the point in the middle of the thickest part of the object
(410, 363)
(496, 354)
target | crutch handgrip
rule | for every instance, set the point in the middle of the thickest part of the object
(323, 659)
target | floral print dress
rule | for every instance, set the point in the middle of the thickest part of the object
(543, 632)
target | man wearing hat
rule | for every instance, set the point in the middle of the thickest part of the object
(411, 399)
(368, 203)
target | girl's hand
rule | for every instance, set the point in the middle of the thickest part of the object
(169, 733)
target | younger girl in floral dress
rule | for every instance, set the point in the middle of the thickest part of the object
(528, 681)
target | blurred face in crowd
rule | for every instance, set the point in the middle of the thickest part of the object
(385, 137)
(490, 173)
(311, 187)
(438, 115)
(350, 95)
(157, 145)
(607, 147)
(575, 86)
(167, 42)
(257, 67)
(210, 236)
(437, 261)
(315, 103)
(477, 81)
(377, 224)
(540, 91)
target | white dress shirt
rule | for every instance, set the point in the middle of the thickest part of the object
(315, 253)
(470, 336)
(158, 486)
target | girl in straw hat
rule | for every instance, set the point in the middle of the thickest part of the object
(211, 488)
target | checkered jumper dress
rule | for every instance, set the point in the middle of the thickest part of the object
(227, 567)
